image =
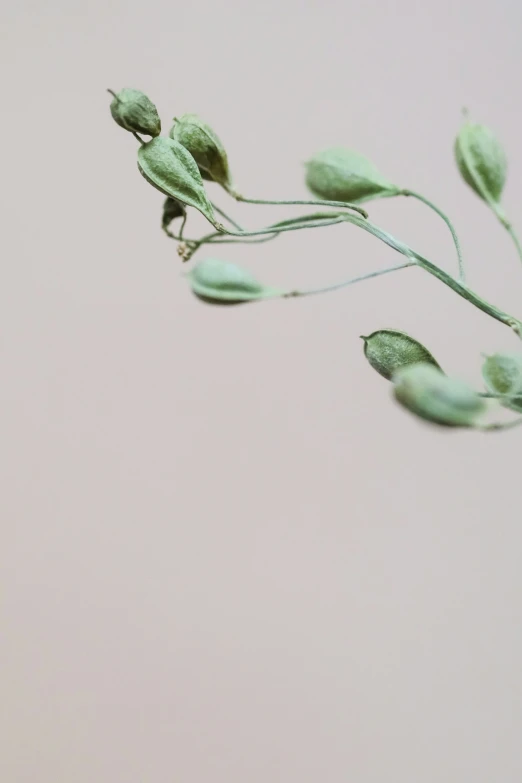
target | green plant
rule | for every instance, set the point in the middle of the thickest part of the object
(342, 179)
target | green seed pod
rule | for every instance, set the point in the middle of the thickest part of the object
(222, 283)
(428, 393)
(481, 161)
(340, 174)
(388, 350)
(205, 147)
(172, 209)
(170, 168)
(502, 374)
(132, 110)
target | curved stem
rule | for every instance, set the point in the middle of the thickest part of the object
(514, 237)
(353, 280)
(235, 241)
(183, 222)
(495, 396)
(216, 237)
(316, 220)
(294, 226)
(229, 219)
(414, 258)
(456, 285)
(446, 219)
(302, 202)
(504, 221)
(506, 425)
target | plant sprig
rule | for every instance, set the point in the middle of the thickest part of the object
(179, 164)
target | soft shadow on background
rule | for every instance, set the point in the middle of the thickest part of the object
(228, 556)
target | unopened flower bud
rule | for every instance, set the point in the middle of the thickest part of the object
(502, 373)
(205, 146)
(132, 110)
(340, 174)
(389, 350)
(220, 282)
(428, 393)
(481, 161)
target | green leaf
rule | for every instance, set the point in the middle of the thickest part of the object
(220, 282)
(389, 350)
(340, 174)
(481, 161)
(205, 146)
(502, 373)
(429, 394)
(170, 168)
(132, 110)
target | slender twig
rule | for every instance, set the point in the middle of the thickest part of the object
(496, 426)
(345, 283)
(516, 240)
(456, 285)
(304, 202)
(224, 215)
(446, 219)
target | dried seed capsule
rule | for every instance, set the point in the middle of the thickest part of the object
(502, 374)
(428, 393)
(340, 174)
(481, 161)
(388, 350)
(219, 282)
(205, 147)
(172, 209)
(132, 110)
(170, 168)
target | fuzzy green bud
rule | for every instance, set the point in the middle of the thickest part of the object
(429, 394)
(389, 350)
(205, 146)
(502, 373)
(220, 282)
(481, 161)
(340, 174)
(132, 110)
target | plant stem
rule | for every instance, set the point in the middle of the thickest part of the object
(317, 220)
(448, 222)
(217, 237)
(456, 285)
(503, 219)
(507, 425)
(224, 215)
(413, 257)
(353, 280)
(300, 202)
(471, 296)
(235, 241)
(295, 226)
(183, 222)
(512, 233)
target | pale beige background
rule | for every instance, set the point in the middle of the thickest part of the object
(228, 557)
